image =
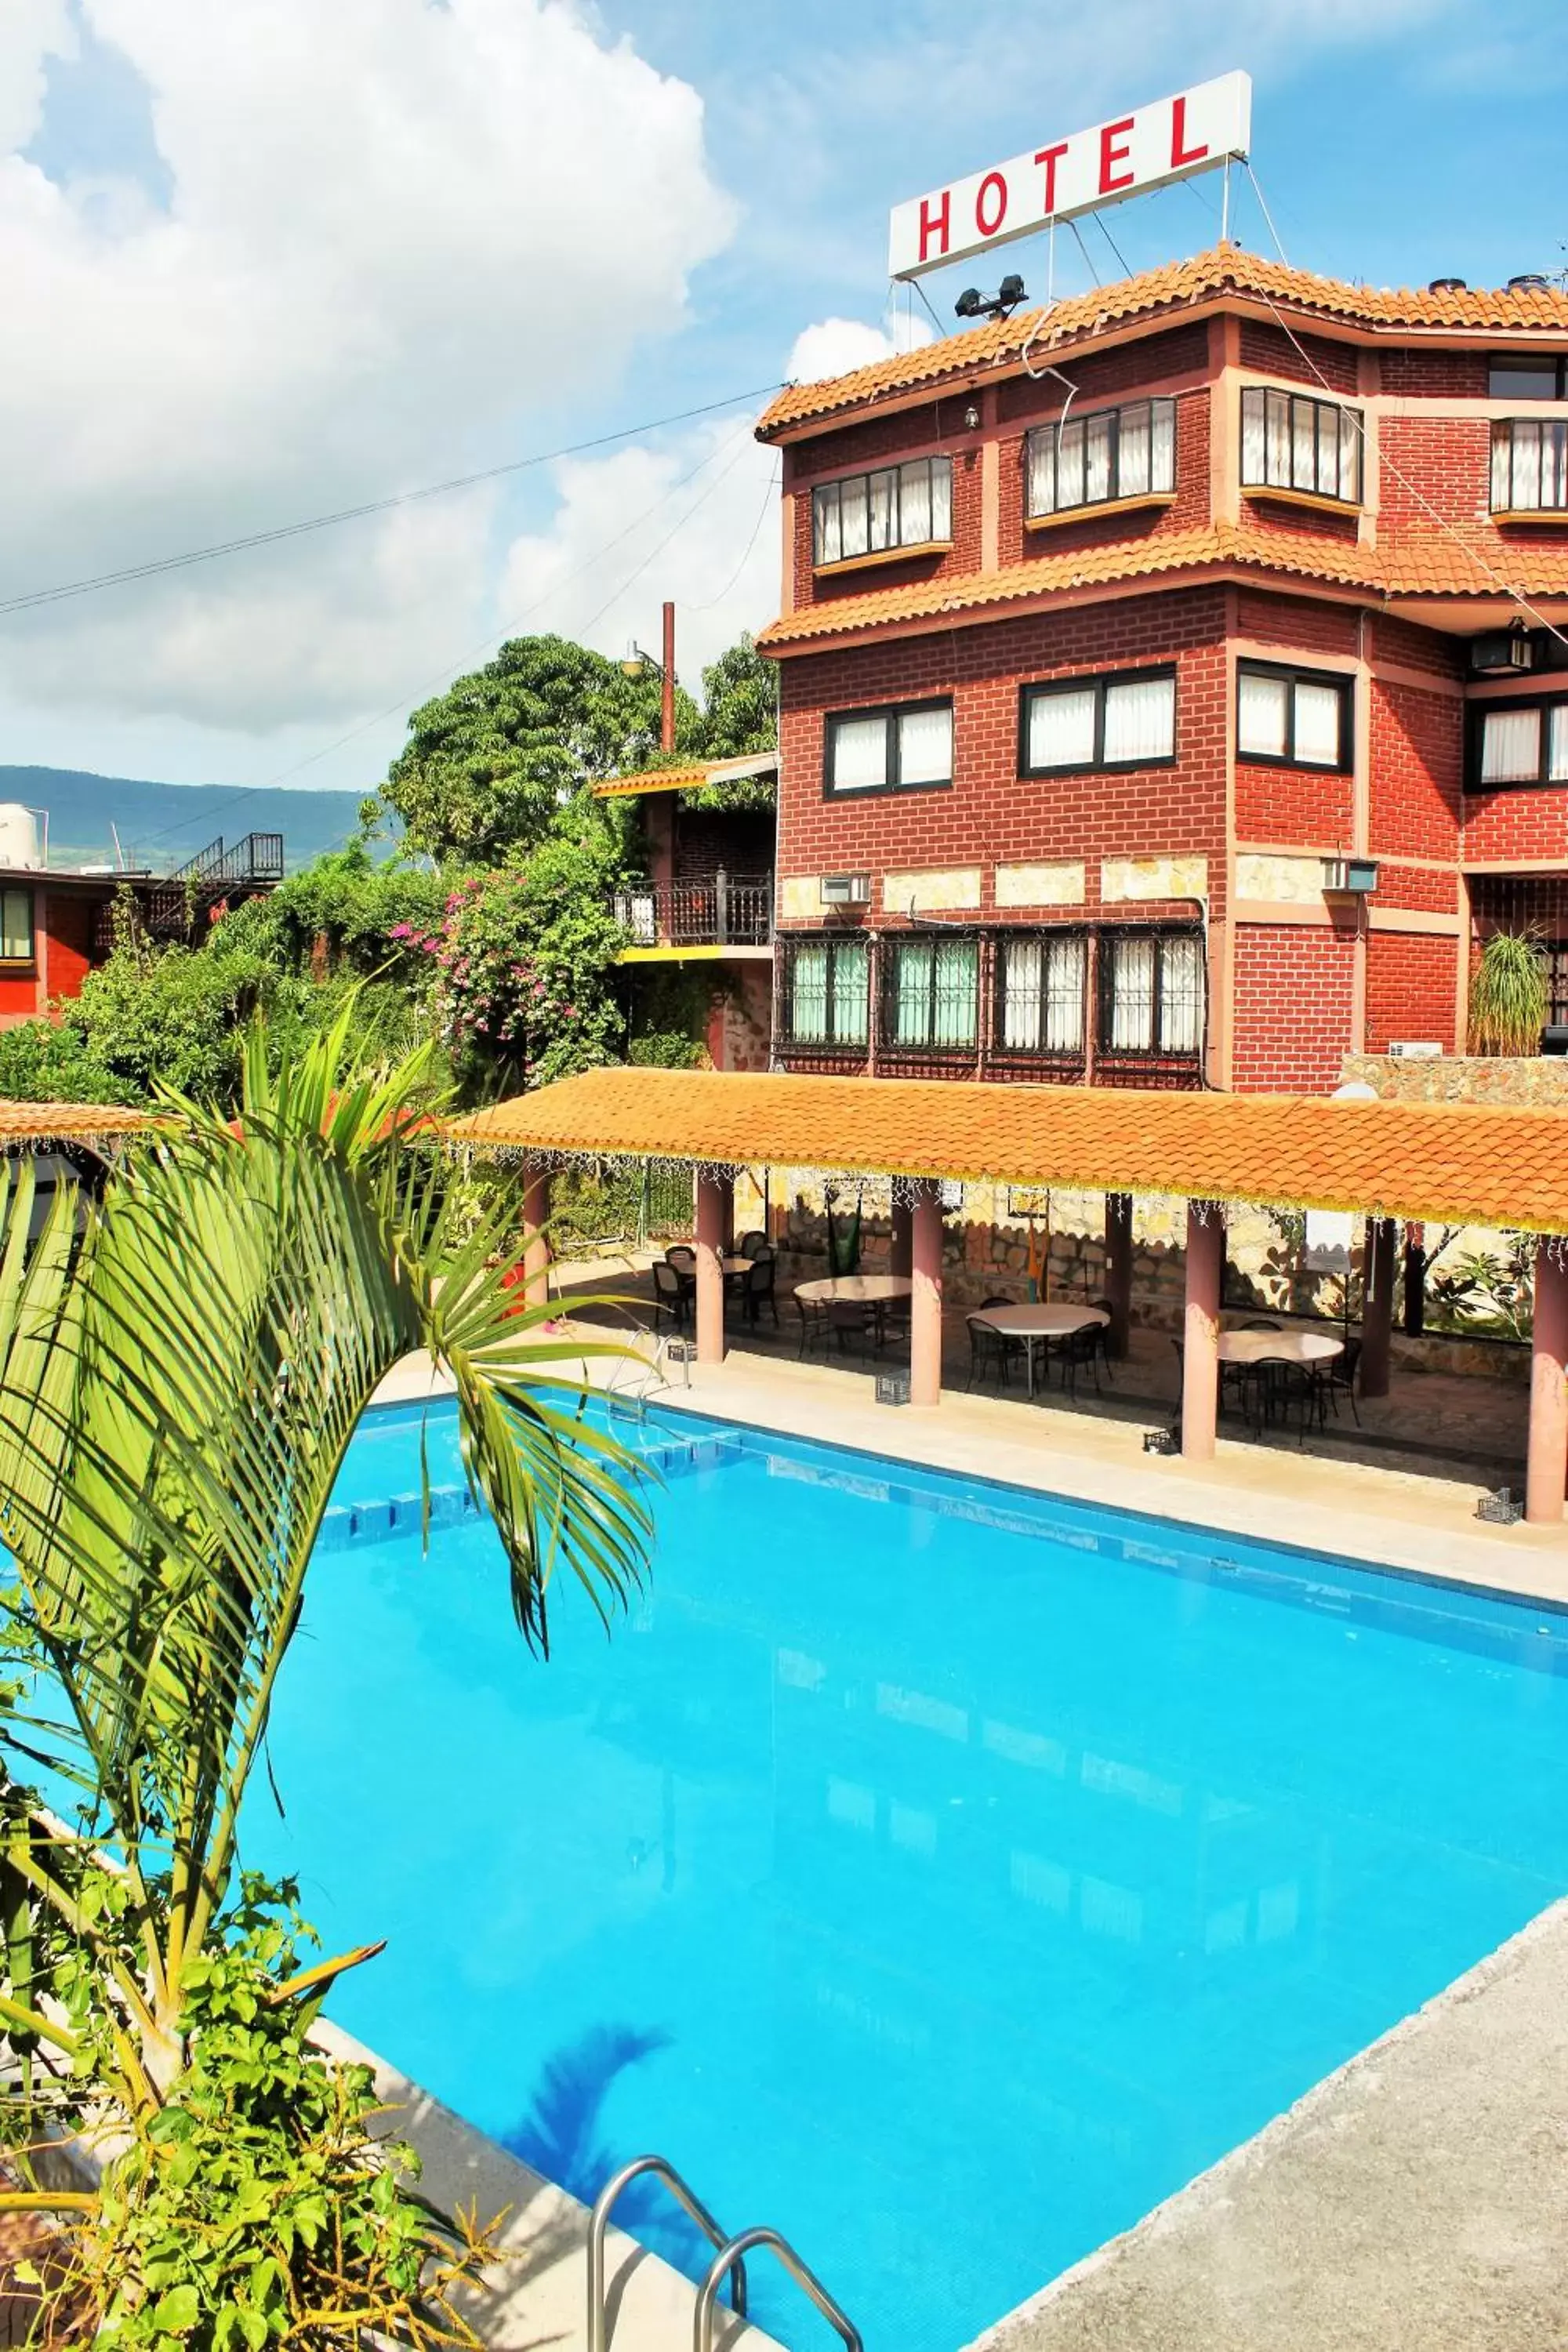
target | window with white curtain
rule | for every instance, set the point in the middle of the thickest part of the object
(1152, 993)
(1040, 987)
(15, 926)
(1297, 719)
(1522, 743)
(933, 992)
(908, 506)
(898, 749)
(1529, 464)
(1124, 720)
(1093, 460)
(829, 1002)
(1292, 442)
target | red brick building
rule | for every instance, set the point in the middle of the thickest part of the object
(1169, 685)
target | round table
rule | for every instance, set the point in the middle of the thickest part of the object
(1041, 1322)
(1278, 1347)
(856, 1289)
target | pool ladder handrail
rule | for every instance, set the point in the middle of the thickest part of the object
(686, 2197)
(805, 2277)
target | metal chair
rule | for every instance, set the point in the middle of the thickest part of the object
(1338, 1378)
(988, 1347)
(672, 1295)
(815, 1327)
(1077, 1350)
(753, 1244)
(757, 1290)
(1285, 1386)
(1102, 1336)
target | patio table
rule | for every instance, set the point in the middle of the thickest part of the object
(859, 1289)
(1044, 1323)
(1288, 1347)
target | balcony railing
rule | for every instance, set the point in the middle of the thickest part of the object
(702, 911)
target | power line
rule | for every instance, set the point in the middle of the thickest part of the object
(463, 660)
(756, 531)
(160, 565)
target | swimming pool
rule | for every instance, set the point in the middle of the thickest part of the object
(942, 1873)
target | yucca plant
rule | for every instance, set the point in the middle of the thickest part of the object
(1508, 997)
(179, 1382)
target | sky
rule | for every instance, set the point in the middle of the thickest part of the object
(269, 259)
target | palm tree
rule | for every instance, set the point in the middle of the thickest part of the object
(179, 1382)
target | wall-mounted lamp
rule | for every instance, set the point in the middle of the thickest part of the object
(1349, 877)
(972, 418)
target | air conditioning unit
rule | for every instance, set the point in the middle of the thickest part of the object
(1422, 1052)
(845, 889)
(1353, 877)
(1504, 651)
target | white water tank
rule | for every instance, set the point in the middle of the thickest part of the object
(19, 835)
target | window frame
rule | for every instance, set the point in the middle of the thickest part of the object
(890, 713)
(891, 948)
(1542, 781)
(1336, 500)
(1116, 496)
(1296, 674)
(1510, 507)
(1045, 936)
(1518, 363)
(1098, 682)
(1164, 935)
(21, 962)
(898, 549)
(835, 943)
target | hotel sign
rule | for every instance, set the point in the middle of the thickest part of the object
(1172, 139)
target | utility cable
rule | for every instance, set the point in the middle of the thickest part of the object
(757, 532)
(160, 565)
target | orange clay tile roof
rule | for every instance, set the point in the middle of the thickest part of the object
(1435, 566)
(1175, 286)
(1453, 1163)
(653, 779)
(25, 1122)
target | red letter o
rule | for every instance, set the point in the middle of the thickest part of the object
(989, 227)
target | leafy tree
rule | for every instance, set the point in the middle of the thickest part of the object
(179, 1384)
(491, 762)
(740, 714)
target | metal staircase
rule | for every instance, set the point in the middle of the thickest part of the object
(251, 864)
(729, 2261)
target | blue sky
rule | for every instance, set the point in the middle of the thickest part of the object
(268, 260)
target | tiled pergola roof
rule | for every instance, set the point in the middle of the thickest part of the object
(1442, 1162)
(98, 1124)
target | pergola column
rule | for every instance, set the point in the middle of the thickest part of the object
(1200, 1354)
(715, 1211)
(536, 1239)
(900, 1242)
(925, 1305)
(1119, 1268)
(1547, 1462)
(1377, 1305)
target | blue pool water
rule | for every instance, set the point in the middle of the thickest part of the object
(940, 1874)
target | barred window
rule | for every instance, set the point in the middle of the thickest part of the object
(1113, 452)
(1151, 993)
(1039, 993)
(933, 992)
(1522, 743)
(1291, 442)
(15, 926)
(1126, 720)
(1292, 718)
(898, 749)
(871, 514)
(829, 999)
(1529, 464)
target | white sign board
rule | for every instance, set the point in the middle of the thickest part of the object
(1170, 139)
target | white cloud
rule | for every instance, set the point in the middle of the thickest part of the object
(31, 32)
(395, 228)
(834, 346)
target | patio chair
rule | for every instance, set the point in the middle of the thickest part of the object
(1102, 1336)
(815, 1327)
(893, 1320)
(852, 1323)
(671, 1294)
(682, 1255)
(757, 1290)
(1338, 1378)
(1285, 1387)
(1081, 1350)
(989, 1350)
(754, 1244)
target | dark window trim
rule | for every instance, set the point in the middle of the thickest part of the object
(1115, 494)
(888, 1043)
(1518, 363)
(1166, 1056)
(890, 713)
(1036, 689)
(1508, 425)
(1292, 488)
(1026, 934)
(1294, 674)
(17, 965)
(835, 943)
(1540, 781)
(900, 545)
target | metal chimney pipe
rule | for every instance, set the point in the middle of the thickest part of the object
(667, 715)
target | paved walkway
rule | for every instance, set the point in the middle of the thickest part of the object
(1415, 2202)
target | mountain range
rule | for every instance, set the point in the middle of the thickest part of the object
(159, 826)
